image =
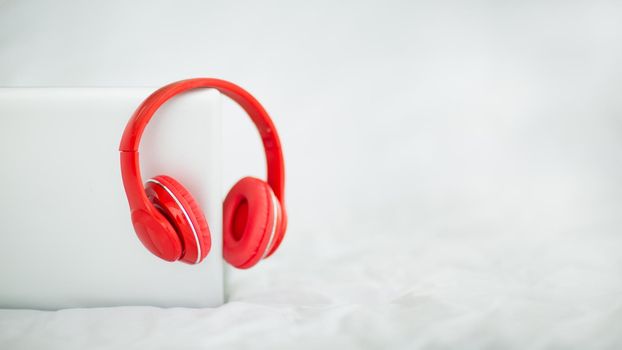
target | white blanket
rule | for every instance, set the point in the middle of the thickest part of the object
(442, 292)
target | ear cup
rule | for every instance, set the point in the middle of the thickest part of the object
(250, 222)
(280, 230)
(183, 212)
(157, 234)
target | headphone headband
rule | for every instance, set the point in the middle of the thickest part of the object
(130, 167)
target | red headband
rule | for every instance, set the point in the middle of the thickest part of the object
(130, 167)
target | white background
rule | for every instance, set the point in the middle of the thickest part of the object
(449, 164)
(67, 237)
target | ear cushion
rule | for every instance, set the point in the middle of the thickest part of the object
(182, 210)
(280, 230)
(250, 220)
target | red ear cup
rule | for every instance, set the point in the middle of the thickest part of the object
(280, 230)
(184, 214)
(157, 234)
(251, 218)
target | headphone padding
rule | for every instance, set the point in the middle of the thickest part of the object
(244, 249)
(280, 230)
(197, 218)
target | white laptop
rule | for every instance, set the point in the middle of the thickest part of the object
(66, 239)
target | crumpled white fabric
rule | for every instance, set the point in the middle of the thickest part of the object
(437, 292)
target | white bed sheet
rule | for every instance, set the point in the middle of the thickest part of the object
(436, 292)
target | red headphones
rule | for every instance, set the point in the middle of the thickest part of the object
(167, 219)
